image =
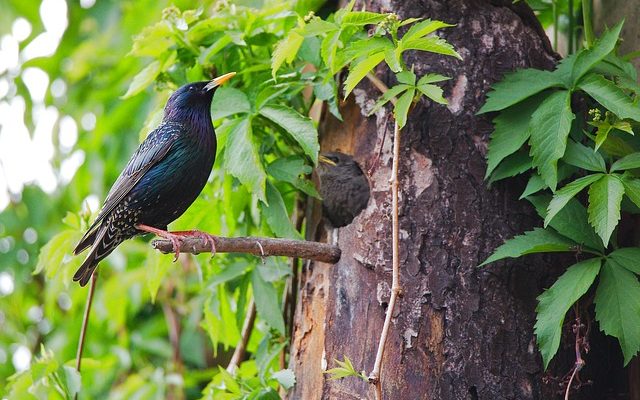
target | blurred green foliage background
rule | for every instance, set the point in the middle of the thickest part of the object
(80, 84)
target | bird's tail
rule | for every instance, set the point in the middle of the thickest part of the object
(104, 243)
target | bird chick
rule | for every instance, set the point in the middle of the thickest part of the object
(161, 180)
(343, 186)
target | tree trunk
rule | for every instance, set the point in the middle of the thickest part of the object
(458, 332)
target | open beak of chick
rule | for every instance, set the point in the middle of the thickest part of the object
(326, 160)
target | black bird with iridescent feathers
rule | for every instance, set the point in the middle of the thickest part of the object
(162, 179)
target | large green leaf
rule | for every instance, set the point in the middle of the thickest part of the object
(517, 86)
(510, 132)
(562, 196)
(241, 159)
(605, 197)
(229, 101)
(423, 28)
(359, 70)
(266, 299)
(628, 162)
(583, 157)
(549, 128)
(361, 18)
(432, 44)
(554, 303)
(401, 110)
(286, 50)
(513, 165)
(276, 214)
(143, 79)
(571, 221)
(290, 169)
(587, 58)
(301, 128)
(536, 241)
(632, 189)
(610, 96)
(618, 307)
(627, 257)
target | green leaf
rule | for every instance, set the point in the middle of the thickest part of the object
(157, 265)
(627, 257)
(229, 101)
(301, 128)
(511, 131)
(605, 197)
(72, 380)
(554, 303)
(241, 159)
(587, 58)
(361, 18)
(401, 110)
(432, 44)
(406, 77)
(584, 157)
(344, 370)
(536, 241)
(432, 78)
(610, 96)
(364, 48)
(628, 162)
(56, 259)
(286, 50)
(388, 95)
(424, 28)
(571, 221)
(617, 146)
(143, 79)
(562, 196)
(433, 92)
(618, 307)
(390, 57)
(289, 169)
(517, 86)
(632, 189)
(549, 128)
(328, 50)
(276, 215)
(318, 26)
(358, 71)
(266, 299)
(513, 165)
(285, 377)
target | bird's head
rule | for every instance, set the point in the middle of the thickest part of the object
(337, 161)
(194, 96)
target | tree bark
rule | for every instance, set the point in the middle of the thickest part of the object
(458, 332)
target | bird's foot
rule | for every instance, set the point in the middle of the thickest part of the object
(202, 235)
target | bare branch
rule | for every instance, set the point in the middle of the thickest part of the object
(374, 377)
(247, 327)
(251, 245)
(85, 322)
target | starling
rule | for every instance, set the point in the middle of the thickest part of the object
(162, 179)
(343, 186)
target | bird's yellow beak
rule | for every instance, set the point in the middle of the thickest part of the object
(215, 82)
(326, 160)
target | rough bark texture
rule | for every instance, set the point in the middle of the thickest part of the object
(458, 332)
(607, 13)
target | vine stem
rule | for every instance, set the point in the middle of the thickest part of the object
(374, 377)
(85, 322)
(241, 348)
(587, 23)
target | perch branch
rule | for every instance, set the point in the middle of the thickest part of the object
(374, 377)
(85, 322)
(258, 246)
(380, 86)
(247, 327)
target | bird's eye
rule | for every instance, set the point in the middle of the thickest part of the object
(191, 88)
(333, 158)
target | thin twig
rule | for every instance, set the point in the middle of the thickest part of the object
(241, 348)
(374, 377)
(85, 319)
(270, 247)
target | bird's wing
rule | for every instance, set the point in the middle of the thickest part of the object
(152, 150)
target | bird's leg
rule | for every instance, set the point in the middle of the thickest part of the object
(173, 237)
(202, 235)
